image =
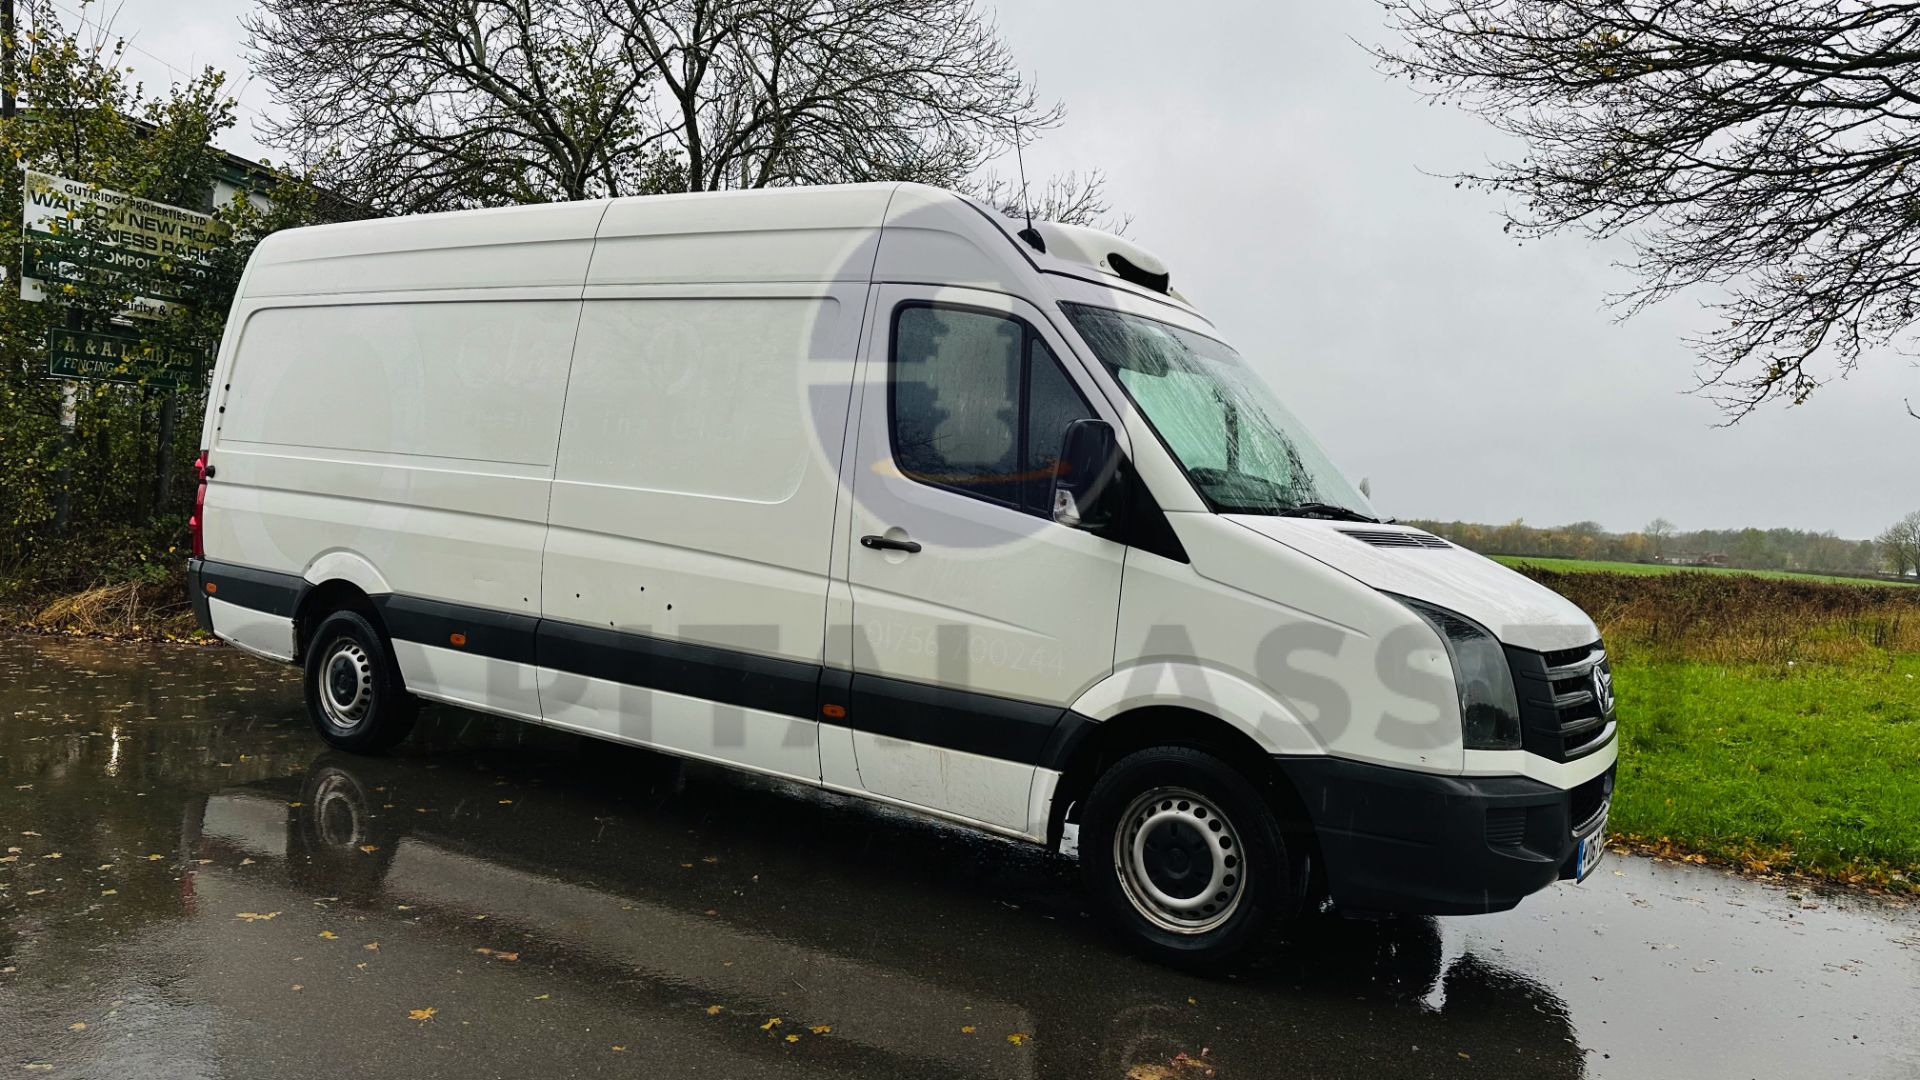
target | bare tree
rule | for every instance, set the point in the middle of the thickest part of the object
(1763, 149)
(1659, 531)
(1901, 544)
(422, 104)
(440, 104)
(760, 92)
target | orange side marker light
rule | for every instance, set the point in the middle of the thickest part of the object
(457, 639)
(834, 711)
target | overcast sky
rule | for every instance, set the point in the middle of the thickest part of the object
(1287, 185)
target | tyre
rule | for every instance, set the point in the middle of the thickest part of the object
(353, 687)
(1185, 858)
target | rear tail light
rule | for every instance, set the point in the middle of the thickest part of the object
(198, 522)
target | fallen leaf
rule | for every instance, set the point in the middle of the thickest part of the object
(506, 802)
(369, 848)
(1017, 1038)
(371, 946)
(104, 866)
(714, 1010)
(821, 1029)
(619, 1049)
(328, 934)
(77, 1025)
(257, 916)
(422, 1014)
(109, 892)
(543, 997)
(155, 858)
(297, 986)
(294, 804)
(53, 855)
(966, 1029)
(793, 1038)
(772, 1022)
(246, 862)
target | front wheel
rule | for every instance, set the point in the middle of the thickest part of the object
(1184, 856)
(353, 688)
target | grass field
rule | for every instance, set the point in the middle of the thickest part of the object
(1811, 767)
(1602, 567)
(1770, 722)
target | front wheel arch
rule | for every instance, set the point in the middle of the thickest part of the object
(1105, 742)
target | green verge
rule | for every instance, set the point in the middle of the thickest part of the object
(1803, 767)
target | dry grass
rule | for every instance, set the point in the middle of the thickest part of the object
(136, 610)
(1742, 619)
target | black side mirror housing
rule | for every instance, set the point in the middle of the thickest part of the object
(1086, 491)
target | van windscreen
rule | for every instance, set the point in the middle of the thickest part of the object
(1242, 449)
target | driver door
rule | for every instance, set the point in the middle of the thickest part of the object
(977, 618)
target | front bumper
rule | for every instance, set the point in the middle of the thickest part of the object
(1400, 841)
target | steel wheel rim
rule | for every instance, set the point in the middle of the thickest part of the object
(1179, 861)
(345, 687)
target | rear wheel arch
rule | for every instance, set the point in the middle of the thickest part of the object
(317, 601)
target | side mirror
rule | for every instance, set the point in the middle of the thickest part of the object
(1084, 491)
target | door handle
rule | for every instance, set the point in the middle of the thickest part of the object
(883, 543)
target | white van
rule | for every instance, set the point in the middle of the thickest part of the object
(870, 488)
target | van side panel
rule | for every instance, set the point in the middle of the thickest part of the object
(687, 554)
(416, 437)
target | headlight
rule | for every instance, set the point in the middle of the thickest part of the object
(1489, 707)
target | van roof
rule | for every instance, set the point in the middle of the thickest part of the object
(828, 233)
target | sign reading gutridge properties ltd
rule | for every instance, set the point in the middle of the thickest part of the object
(77, 233)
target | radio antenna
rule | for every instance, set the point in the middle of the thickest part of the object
(1030, 234)
(1021, 160)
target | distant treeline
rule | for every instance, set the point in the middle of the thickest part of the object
(1753, 549)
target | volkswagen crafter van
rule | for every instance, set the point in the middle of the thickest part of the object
(872, 489)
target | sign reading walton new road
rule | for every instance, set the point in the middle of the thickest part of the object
(76, 233)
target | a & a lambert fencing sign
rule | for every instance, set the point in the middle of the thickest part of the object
(76, 233)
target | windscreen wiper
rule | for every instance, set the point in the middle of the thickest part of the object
(1327, 511)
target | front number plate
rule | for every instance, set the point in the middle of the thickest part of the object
(1593, 846)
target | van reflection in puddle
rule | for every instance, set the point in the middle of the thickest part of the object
(684, 903)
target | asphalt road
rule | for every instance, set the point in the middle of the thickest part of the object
(195, 887)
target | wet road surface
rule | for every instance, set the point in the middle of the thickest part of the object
(193, 886)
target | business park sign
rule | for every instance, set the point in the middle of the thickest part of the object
(74, 233)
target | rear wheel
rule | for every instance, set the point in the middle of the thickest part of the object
(1184, 856)
(353, 687)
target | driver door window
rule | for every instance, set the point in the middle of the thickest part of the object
(979, 405)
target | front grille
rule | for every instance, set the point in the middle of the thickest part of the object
(1412, 538)
(1587, 799)
(1566, 707)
